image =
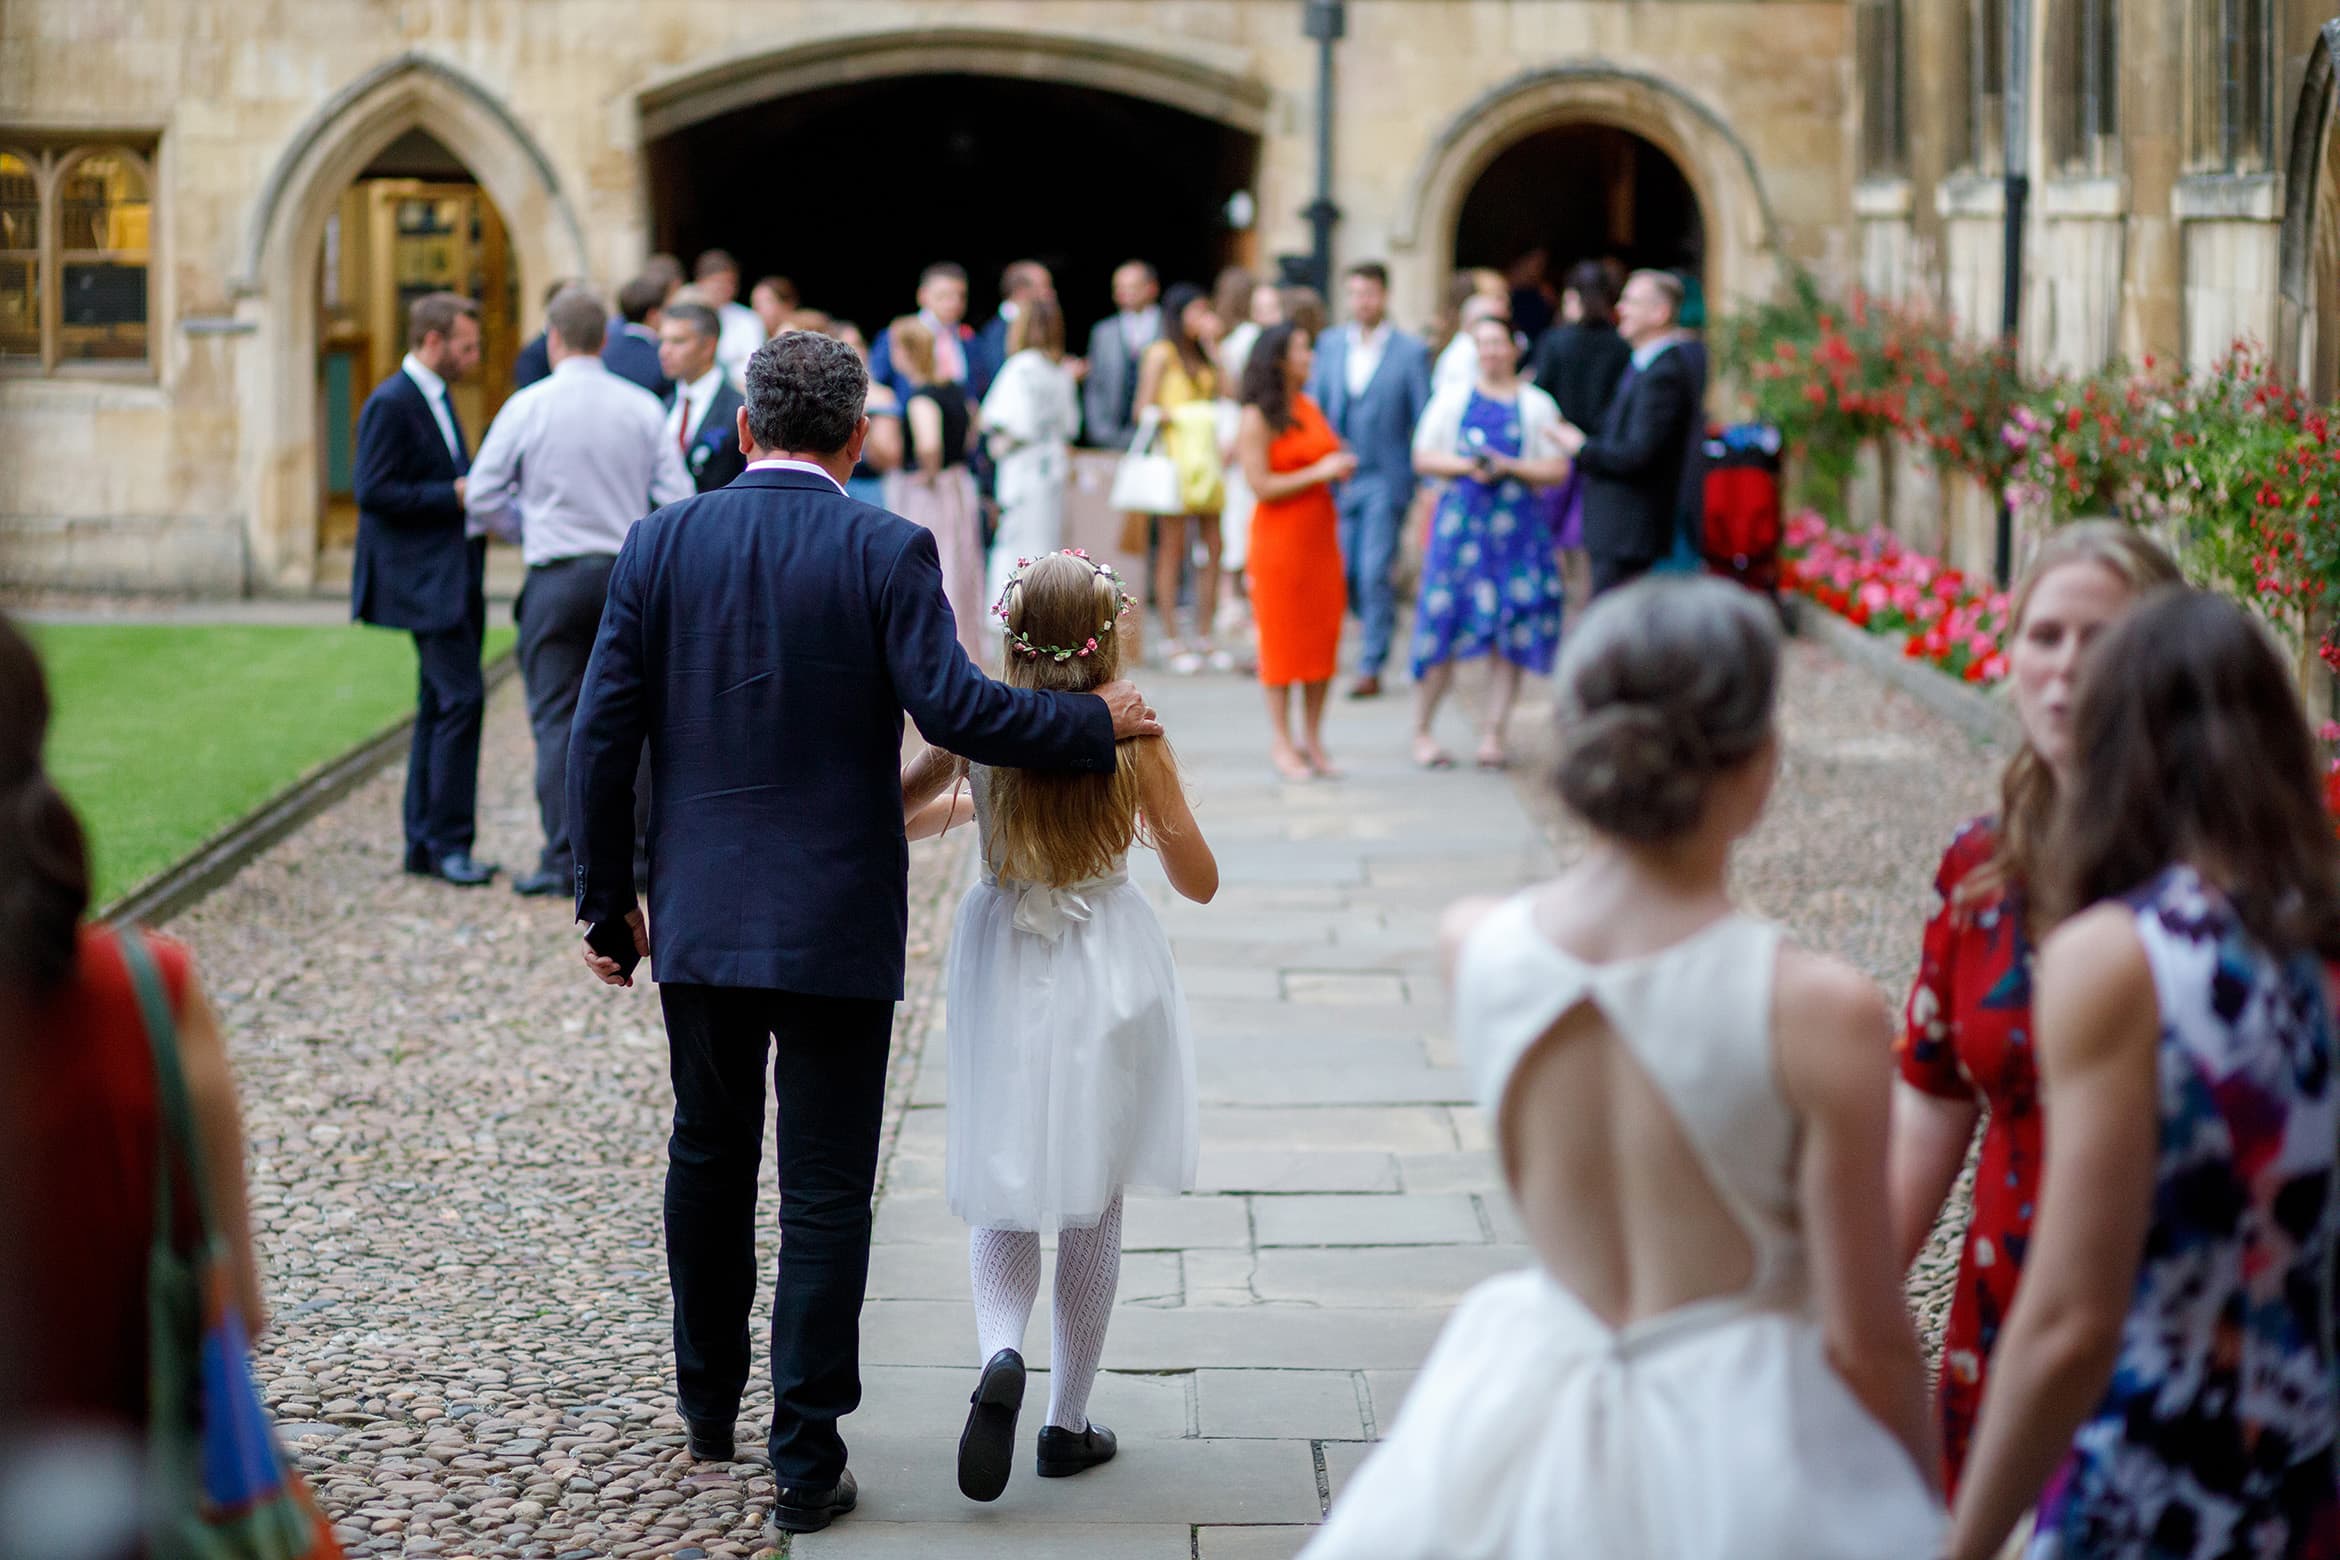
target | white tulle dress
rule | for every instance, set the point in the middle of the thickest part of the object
(1717, 1431)
(1071, 1062)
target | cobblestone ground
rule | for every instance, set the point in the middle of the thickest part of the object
(457, 1142)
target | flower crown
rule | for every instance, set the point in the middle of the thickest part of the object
(1021, 643)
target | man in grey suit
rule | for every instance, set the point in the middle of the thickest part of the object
(1109, 394)
(1373, 380)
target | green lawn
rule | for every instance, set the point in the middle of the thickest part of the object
(165, 735)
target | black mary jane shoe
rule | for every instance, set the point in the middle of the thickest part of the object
(797, 1510)
(1064, 1453)
(987, 1447)
(711, 1440)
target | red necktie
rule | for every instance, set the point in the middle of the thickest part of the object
(682, 429)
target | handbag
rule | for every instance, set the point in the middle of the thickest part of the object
(220, 1486)
(1146, 481)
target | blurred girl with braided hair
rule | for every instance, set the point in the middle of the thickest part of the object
(1071, 1064)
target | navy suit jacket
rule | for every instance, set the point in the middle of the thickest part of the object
(413, 564)
(1378, 425)
(532, 362)
(635, 357)
(766, 638)
(1633, 465)
(713, 458)
(987, 355)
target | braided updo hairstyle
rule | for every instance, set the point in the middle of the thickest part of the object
(1663, 687)
(44, 865)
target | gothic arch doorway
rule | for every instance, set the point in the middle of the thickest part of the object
(2308, 323)
(488, 214)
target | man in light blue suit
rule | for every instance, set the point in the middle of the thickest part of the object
(1372, 380)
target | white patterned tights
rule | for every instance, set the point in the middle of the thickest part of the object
(1005, 1266)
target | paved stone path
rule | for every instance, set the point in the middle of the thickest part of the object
(457, 1141)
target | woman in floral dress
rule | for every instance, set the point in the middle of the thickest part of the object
(1966, 1049)
(2165, 1386)
(1491, 578)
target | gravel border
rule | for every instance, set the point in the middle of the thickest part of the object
(1984, 717)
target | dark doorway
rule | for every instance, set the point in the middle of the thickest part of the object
(850, 191)
(1582, 192)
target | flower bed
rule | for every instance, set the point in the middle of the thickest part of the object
(1942, 616)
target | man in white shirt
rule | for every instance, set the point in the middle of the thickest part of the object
(717, 279)
(702, 419)
(569, 464)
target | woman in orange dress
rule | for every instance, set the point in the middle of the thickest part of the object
(1291, 457)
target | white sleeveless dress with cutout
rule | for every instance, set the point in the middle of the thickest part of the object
(1714, 1431)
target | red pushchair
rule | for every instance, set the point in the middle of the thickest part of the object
(1740, 530)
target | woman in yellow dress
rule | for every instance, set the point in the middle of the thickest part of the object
(1177, 380)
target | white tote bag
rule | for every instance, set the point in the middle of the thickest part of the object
(1146, 481)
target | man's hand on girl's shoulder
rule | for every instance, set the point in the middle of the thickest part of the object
(1132, 715)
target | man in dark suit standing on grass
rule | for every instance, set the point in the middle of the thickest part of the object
(1633, 465)
(421, 569)
(766, 639)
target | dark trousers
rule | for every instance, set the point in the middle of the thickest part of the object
(559, 612)
(829, 1082)
(442, 764)
(1610, 571)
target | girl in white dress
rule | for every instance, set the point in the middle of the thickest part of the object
(1711, 1359)
(1071, 1065)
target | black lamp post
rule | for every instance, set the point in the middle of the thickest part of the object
(2015, 155)
(1325, 21)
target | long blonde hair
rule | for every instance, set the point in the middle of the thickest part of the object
(2027, 791)
(1058, 826)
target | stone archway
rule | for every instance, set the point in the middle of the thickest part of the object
(1741, 230)
(283, 244)
(1210, 80)
(2307, 325)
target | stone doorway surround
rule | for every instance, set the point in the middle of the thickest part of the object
(2308, 270)
(276, 273)
(1742, 231)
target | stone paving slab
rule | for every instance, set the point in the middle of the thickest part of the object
(1250, 1543)
(914, 1479)
(1422, 1219)
(1279, 1170)
(1298, 1405)
(866, 1538)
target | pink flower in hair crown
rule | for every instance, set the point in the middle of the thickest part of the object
(1021, 642)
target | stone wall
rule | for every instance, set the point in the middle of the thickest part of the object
(205, 479)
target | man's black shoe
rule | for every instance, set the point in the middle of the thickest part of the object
(987, 1447)
(543, 884)
(418, 861)
(1064, 1453)
(464, 872)
(808, 1511)
(711, 1440)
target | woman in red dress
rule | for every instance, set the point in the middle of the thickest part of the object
(1966, 1048)
(79, 1122)
(1291, 457)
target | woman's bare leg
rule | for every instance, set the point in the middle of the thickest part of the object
(1312, 701)
(1502, 695)
(1429, 692)
(1170, 549)
(1206, 584)
(1281, 752)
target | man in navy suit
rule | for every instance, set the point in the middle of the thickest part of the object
(629, 348)
(1019, 284)
(1373, 381)
(703, 417)
(942, 309)
(419, 568)
(766, 639)
(1633, 464)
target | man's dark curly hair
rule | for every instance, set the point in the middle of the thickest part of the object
(805, 392)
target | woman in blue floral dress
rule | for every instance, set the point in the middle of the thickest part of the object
(2165, 1386)
(1491, 578)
